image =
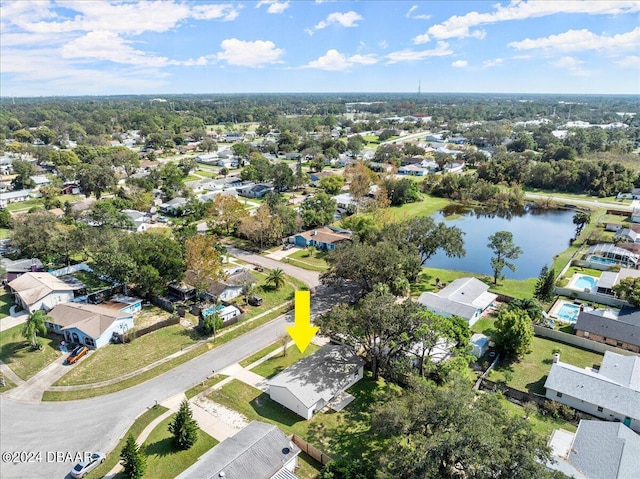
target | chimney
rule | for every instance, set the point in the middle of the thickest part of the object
(556, 357)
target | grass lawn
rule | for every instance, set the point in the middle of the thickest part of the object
(484, 326)
(136, 429)
(260, 354)
(4, 233)
(428, 206)
(164, 367)
(308, 467)
(531, 372)
(310, 259)
(509, 287)
(15, 351)
(5, 304)
(543, 425)
(21, 206)
(204, 385)
(163, 460)
(338, 434)
(270, 296)
(277, 363)
(114, 360)
(91, 281)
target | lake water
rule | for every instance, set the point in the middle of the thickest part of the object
(541, 234)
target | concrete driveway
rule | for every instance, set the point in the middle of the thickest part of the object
(283, 253)
(32, 389)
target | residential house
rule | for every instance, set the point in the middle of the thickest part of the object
(19, 267)
(324, 238)
(628, 235)
(173, 206)
(70, 189)
(609, 279)
(226, 313)
(597, 450)
(611, 393)
(6, 165)
(207, 158)
(226, 290)
(467, 298)
(40, 181)
(317, 176)
(314, 382)
(413, 170)
(610, 255)
(140, 220)
(34, 291)
(621, 329)
(89, 324)
(258, 451)
(255, 191)
(228, 162)
(57, 212)
(181, 291)
(124, 303)
(14, 197)
(635, 215)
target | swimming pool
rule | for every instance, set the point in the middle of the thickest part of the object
(598, 259)
(568, 312)
(211, 310)
(585, 282)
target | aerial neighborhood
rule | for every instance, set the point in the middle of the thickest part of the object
(134, 252)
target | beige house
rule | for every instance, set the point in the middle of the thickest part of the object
(34, 291)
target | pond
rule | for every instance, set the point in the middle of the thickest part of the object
(541, 234)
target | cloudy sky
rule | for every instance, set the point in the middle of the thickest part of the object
(155, 47)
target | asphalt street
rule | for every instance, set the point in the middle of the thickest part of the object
(97, 424)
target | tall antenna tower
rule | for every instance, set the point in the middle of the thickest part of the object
(419, 85)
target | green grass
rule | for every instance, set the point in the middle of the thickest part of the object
(278, 363)
(25, 205)
(484, 326)
(339, 434)
(164, 367)
(260, 354)
(303, 264)
(310, 257)
(15, 352)
(428, 206)
(510, 287)
(91, 281)
(5, 304)
(308, 467)
(114, 360)
(163, 460)
(531, 372)
(204, 385)
(135, 430)
(270, 296)
(5, 233)
(543, 425)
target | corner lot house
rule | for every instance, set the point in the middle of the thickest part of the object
(88, 324)
(34, 291)
(310, 384)
(611, 393)
(467, 298)
(259, 451)
(597, 450)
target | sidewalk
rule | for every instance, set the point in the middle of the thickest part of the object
(14, 320)
(32, 389)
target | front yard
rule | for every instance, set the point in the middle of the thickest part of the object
(16, 352)
(278, 363)
(5, 305)
(309, 258)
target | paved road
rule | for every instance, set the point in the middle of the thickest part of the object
(576, 202)
(98, 423)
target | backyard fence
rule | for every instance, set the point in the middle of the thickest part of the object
(159, 325)
(514, 395)
(573, 340)
(595, 298)
(74, 268)
(162, 303)
(312, 451)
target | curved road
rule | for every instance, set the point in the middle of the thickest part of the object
(98, 423)
(577, 202)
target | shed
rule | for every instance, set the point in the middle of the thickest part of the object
(480, 344)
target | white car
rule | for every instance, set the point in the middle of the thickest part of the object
(84, 467)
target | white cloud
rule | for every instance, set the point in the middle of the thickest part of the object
(460, 26)
(418, 16)
(333, 60)
(582, 40)
(383, 44)
(274, 6)
(249, 54)
(632, 61)
(572, 65)
(420, 39)
(459, 63)
(415, 55)
(348, 20)
(492, 63)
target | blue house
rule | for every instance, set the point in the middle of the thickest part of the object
(325, 238)
(88, 324)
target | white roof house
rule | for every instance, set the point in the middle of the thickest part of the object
(259, 451)
(611, 393)
(313, 382)
(36, 291)
(13, 197)
(467, 298)
(597, 450)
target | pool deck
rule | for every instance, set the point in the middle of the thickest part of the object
(553, 312)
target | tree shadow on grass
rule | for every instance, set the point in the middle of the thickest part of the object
(161, 448)
(537, 387)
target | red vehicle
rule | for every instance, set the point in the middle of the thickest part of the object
(76, 354)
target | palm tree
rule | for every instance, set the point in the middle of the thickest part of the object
(34, 325)
(529, 305)
(276, 278)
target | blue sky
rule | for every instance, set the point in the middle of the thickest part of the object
(103, 47)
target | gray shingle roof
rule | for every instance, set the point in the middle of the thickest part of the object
(601, 388)
(322, 375)
(461, 297)
(259, 451)
(625, 328)
(606, 450)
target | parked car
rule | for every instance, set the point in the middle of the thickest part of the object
(84, 467)
(254, 300)
(288, 246)
(76, 354)
(259, 268)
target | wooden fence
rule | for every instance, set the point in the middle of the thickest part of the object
(512, 394)
(159, 325)
(314, 452)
